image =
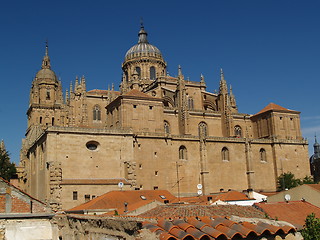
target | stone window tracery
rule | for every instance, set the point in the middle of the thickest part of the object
(225, 154)
(203, 129)
(183, 153)
(238, 131)
(96, 113)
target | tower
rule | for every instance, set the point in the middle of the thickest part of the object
(143, 64)
(45, 96)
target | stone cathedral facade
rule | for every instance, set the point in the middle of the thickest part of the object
(156, 132)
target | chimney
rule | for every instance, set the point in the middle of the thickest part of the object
(250, 193)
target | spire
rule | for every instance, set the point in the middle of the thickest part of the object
(221, 75)
(201, 78)
(223, 83)
(142, 34)
(46, 59)
(315, 141)
(179, 71)
(71, 87)
(67, 96)
(76, 84)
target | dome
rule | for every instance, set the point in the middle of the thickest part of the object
(143, 48)
(46, 73)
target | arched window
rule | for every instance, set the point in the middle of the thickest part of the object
(183, 152)
(166, 127)
(96, 113)
(263, 155)
(225, 154)
(203, 129)
(152, 73)
(190, 103)
(48, 94)
(138, 69)
(237, 131)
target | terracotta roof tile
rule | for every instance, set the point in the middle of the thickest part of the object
(134, 199)
(274, 107)
(137, 93)
(194, 228)
(102, 92)
(294, 212)
(314, 186)
(186, 210)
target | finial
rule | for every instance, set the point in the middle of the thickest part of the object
(112, 87)
(201, 78)
(46, 59)
(141, 23)
(179, 71)
(71, 87)
(221, 74)
(47, 47)
(315, 138)
(142, 34)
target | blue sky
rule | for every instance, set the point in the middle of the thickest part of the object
(269, 50)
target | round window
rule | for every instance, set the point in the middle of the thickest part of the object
(92, 145)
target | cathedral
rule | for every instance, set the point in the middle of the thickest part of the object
(156, 132)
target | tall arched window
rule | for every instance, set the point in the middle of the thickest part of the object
(183, 152)
(96, 113)
(138, 69)
(263, 155)
(203, 129)
(225, 154)
(166, 127)
(190, 103)
(237, 131)
(152, 73)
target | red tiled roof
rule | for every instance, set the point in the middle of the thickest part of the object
(103, 92)
(314, 186)
(137, 93)
(206, 228)
(223, 196)
(186, 210)
(116, 200)
(275, 107)
(294, 212)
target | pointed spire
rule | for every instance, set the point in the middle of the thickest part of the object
(47, 48)
(76, 84)
(142, 34)
(67, 96)
(46, 60)
(108, 87)
(202, 78)
(179, 71)
(221, 74)
(71, 87)
(223, 83)
(112, 87)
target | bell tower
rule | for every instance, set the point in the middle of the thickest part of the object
(45, 96)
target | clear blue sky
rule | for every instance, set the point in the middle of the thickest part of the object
(269, 50)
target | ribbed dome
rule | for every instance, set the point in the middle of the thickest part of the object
(46, 73)
(143, 48)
